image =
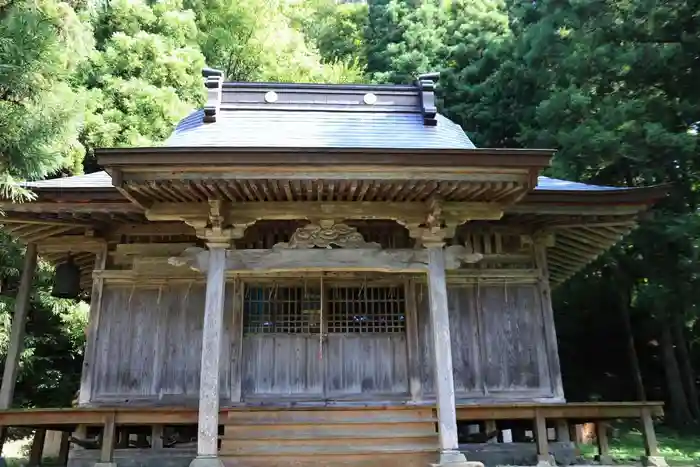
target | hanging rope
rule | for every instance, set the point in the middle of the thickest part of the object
(160, 294)
(505, 290)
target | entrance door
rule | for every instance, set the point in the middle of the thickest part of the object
(366, 344)
(342, 342)
(282, 343)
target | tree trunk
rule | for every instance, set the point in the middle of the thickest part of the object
(679, 412)
(686, 367)
(631, 347)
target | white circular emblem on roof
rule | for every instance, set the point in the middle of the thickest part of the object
(370, 98)
(271, 96)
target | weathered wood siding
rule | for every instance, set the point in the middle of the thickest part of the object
(282, 364)
(371, 364)
(498, 341)
(349, 365)
(148, 345)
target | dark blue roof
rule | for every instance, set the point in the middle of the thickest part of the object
(318, 129)
(553, 184)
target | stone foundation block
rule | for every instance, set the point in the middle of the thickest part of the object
(455, 459)
(654, 461)
(206, 462)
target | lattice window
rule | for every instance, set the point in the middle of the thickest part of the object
(346, 309)
(289, 310)
(365, 309)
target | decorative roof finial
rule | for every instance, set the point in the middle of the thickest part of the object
(213, 81)
(426, 83)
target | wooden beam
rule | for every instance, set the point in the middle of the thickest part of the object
(39, 207)
(16, 345)
(150, 249)
(118, 183)
(56, 223)
(154, 229)
(576, 209)
(368, 172)
(249, 212)
(72, 244)
(43, 234)
(312, 259)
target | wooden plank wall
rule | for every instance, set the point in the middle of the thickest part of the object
(149, 343)
(498, 341)
(363, 365)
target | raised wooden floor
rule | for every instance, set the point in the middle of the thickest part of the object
(332, 437)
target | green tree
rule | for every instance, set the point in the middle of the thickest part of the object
(256, 41)
(144, 75)
(41, 44)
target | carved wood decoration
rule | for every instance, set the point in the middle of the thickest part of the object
(326, 234)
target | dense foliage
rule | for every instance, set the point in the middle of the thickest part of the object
(611, 84)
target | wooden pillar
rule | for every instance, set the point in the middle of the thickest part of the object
(550, 332)
(37, 448)
(19, 319)
(651, 446)
(208, 435)
(601, 430)
(86, 377)
(442, 352)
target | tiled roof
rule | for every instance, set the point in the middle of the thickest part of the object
(318, 129)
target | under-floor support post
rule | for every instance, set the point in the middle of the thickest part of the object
(208, 434)
(601, 431)
(651, 446)
(64, 448)
(37, 450)
(442, 353)
(107, 441)
(563, 432)
(544, 457)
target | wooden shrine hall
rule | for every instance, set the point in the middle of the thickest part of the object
(321, 275)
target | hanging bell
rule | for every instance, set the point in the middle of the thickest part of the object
(66, 282)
